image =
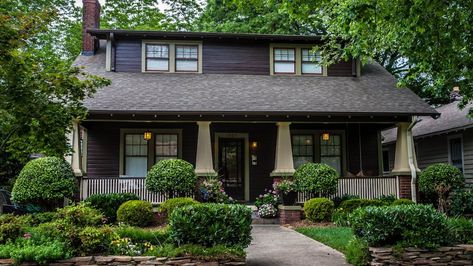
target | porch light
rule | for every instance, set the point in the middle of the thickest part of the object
(325, 136)
(147, 135)
(254, 145)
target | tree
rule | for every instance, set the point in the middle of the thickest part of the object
(132, 14)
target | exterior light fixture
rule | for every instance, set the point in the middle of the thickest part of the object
(147, 135)
(325, 136)
(254, 145)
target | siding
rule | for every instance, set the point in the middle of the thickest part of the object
(128, 56)
(341, 69)
(468, 156)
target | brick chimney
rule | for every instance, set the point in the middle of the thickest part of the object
(90, 20)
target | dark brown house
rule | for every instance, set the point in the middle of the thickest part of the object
(246, 107)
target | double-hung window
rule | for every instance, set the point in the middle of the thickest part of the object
(187, 57)
(331, 152)
(284, 60)
(157, 57)
(136, 155)
(166, 146)
(456, 152)
(310, 62)
(302, 149)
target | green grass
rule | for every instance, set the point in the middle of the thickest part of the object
(335, 237)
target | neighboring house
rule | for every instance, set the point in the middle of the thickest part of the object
(245, 107)
(448, 139)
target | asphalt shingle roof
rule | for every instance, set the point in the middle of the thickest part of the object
(375, 93)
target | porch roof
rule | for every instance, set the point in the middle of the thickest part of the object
(373, 94)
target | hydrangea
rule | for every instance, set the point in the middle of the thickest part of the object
(267, 211)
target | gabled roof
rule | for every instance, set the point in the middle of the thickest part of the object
(451, 119)
(374, 93)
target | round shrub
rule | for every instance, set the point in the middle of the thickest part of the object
(80, 215)
(135, 213)
(172, 176)
(318, 209)
(316, 178)
(108, 204)
(402, 202)
(461, 203)
(45, 182)
(267, 211)
(167, 207)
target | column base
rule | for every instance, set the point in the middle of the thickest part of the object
(289, 214)
(405, 190)
(205, 172)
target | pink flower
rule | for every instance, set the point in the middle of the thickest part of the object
(27, 236)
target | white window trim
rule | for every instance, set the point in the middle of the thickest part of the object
(298, 59)
(151, 155)
(457, 136)
(172, 55)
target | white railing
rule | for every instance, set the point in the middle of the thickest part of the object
(365, 187)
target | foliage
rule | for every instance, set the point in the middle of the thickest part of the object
(388, 199)
(402, 202)
(170, 205)
(217, 252)
(267, 211)
(95, 240)
(335, 237)
(172, 176)
(269, 197)
(338, 200)
(108, 204)
(211, 224)
(125, 246)
(461, 230)
(285, 186)
(41, 252)
(441, 179)
(316, 178)
(45, 181)
(461, 202)
(211, 190)
(403, 225)
(340, 215)
(135, 213)
(132, 14)
(11, 227)
(80, 215)
(142, 235)
(357, 252)
(318, 209)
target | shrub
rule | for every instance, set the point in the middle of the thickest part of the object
(214, 253)
(211, 224)
(269, 197)
(170, 205)
(136, 213)
(349, 206)
(267, 211)
(44, 217)
(318, 209)
(285, 186)
(45, 182)
(338, 200)
(402, 202)
(461, 203)
(80, 215)
(440, 178)
(461, 230)
(357, 252)
(95, 240)
(172, 176)
(108, 204)
(211, 190)
(387, 199)
(24, 250)
(405, 225)
(141, 235)
(11, 227)
(316, 178)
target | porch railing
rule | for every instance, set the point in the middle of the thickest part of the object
(365, 187)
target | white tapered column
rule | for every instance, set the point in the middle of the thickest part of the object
(401, 158)
(76, 160)
(283, 164)
(203, 160)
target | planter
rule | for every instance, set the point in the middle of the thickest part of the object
(289, 199)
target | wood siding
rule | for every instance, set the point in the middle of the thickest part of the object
(128, 56)
(341, 69)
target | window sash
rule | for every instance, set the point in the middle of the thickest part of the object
(284, 60)
(159, 56)
(331, 152)
(136, 155)
(166, 146)
(302, 149)
(456, 153)
(309, 64)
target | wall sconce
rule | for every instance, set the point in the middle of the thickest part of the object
(254, 145)
(325, 136)
(147, 135)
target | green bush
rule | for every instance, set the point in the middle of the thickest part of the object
(135, 213)
(108, 204)
(316, 178)
(95, 240)
(441, 179)
(357, 252)
(211, 224)
(318, 209)
(175, 177)
(81, 215)
(43, 252)
(167, 207)
(387, 199)
(461, 203)
(214, 253)
(141, 235)
(402, 202)
(44, 217)
(45, 182)
(404, 225)
(461, 230)
(349, 206)
(11, 227)
(338, 200)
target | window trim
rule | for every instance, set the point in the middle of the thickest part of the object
(151, 147)
(146, 57)
(298, 58)
(186, 59)
(302, 63)
(314, 143)
(284, 61)
(449, 138)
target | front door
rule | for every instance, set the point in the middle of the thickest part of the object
(231, 166)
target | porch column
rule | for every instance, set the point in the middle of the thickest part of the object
(401, 160)
(283, 163)
(76, 160)
(203, 160)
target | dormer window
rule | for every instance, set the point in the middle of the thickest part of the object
(187, 57)
(295, 59)
(168, 56)
(284, 60)
(310, 63)
(157, 57)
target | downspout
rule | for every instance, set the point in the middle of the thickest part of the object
(410, 155)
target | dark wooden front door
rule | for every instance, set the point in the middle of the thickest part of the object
(231, 166)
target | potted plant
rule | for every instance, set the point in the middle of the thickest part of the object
(288, 191)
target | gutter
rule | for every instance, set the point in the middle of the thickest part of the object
(410, 155)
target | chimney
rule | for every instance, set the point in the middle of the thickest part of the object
(90, 20)
(455, 94)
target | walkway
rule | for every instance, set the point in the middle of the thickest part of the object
(277, 245)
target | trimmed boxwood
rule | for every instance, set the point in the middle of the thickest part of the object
(318, 209)
(45, 182)
(316, 178)
(402, 202)
(211, 224)
(167, 207)
(135, 213)
(175, 177)
(108, 204)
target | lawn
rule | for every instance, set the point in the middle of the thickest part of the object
(335, 237)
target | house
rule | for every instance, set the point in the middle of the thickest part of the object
(448, 139)
(245, 107)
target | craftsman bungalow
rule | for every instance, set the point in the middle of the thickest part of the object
(245, 107)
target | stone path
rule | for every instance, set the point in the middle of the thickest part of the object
(277, 245)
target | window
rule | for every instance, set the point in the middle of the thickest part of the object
(136, 155)
(165, 146)
(456, 153)
(331, 152)
(187, 58)
(302, 149)
(310, 63)
(157, 57)
(284, 60)
(386, 168)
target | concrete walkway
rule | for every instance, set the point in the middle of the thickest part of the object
(277, 245)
